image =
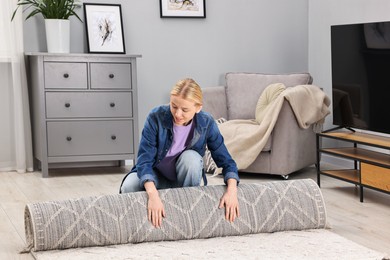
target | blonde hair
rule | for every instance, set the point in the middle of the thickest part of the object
(188, 89)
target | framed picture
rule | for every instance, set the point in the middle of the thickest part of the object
(104, 28)
(182, 8)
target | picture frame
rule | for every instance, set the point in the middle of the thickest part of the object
(183, 8)
(104, 28)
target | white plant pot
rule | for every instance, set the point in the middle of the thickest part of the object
(57, 35)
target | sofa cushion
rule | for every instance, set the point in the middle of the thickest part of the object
(243, 90)
(214, 101)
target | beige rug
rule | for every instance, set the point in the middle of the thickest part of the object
(309, 244)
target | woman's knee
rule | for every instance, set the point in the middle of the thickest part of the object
(189, 169)
(191, 160)
(131, 183)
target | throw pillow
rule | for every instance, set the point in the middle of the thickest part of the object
(270, 93)
(209, 164)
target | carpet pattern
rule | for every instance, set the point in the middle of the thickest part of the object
(190, 213)
(301, 245)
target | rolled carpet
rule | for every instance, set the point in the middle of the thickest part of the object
(191, 213)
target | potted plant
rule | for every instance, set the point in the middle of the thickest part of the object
(56, 14)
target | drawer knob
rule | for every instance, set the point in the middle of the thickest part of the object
(112, 104)
(113, 137)
(67, 104)
(111, 76)
(66, 75)
(68, 138)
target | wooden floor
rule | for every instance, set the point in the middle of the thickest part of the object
(365, 223)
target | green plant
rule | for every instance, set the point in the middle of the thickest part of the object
(50, 9)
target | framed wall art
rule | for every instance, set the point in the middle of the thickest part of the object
(104, 28)
(182, 9)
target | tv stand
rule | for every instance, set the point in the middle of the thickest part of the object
(371, 168)
(339, 127)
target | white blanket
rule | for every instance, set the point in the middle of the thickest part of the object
(245, 139)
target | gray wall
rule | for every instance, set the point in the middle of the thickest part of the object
(323, 14)
(7, 145)
(252, 36)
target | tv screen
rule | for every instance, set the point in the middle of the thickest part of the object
(361, 76)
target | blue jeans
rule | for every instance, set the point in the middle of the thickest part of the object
(189, 170)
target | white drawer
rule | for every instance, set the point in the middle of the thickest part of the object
(66, 75)
(110, 75)
(70, 138)
(88, 104)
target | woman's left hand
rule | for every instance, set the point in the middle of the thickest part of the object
(229, 200)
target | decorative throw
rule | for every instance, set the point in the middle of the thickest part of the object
(245, 139)
(190, 213)
(209, 165)
(269, 94)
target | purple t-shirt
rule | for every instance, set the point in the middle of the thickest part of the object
(181, 136)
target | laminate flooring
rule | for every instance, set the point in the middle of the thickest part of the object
(365, 223)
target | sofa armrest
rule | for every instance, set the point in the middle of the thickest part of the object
(214, 101)
(295, 147)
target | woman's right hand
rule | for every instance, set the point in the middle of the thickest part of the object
(156, 209)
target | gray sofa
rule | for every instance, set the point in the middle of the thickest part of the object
(290, 148)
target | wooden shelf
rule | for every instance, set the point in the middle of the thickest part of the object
(350, 174)
(361, 138)
(361, 155)
(372, 168)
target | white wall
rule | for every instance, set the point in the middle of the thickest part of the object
(251, 36)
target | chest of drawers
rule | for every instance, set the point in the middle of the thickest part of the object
(83, 108)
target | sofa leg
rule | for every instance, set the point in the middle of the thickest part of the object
(285, 177)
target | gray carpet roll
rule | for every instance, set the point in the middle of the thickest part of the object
(190, 213)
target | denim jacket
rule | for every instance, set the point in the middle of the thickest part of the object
(157, 136)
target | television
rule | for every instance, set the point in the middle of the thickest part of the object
(360, 60)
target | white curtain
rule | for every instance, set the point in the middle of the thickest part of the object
(15, 129)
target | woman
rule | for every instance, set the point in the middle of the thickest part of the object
(171, 150)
